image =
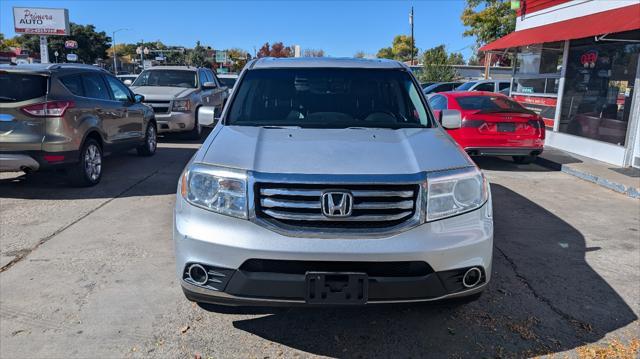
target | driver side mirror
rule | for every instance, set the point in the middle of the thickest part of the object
(207, 116)
(128, 82)
(451, 119)
(209, 85)
(138, 98)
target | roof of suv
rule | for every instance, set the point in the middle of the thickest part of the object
(311, 62)
(48, 68)
(185, 68)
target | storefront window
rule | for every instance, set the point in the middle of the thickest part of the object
(599, 88)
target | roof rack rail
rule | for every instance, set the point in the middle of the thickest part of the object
(78, 66)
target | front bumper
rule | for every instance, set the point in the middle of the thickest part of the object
(226, 244)
(175, 121)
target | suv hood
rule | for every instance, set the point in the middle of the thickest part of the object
(334, 151)
(162, 92)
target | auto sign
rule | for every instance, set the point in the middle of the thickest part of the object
(71, 44)
(72, 57)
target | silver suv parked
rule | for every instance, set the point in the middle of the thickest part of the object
(176, 93)
(329, 181)
(69, 116)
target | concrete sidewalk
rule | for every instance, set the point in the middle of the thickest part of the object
(619, 179)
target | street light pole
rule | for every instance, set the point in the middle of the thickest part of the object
(412, 43)
(115, 53)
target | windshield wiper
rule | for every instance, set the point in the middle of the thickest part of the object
(279, 127)
(8, 98)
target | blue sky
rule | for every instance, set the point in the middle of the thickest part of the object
(339, 27)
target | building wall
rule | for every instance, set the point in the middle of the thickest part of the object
(533, 13)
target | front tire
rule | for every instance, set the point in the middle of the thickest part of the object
(524, 160)
(88, 171)
(148, 148)
(196, 132)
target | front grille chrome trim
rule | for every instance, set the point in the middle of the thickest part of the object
(271, 194)
(320, 217)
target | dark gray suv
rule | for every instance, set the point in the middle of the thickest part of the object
(68, 116)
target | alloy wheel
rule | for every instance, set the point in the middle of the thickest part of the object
(92, 162)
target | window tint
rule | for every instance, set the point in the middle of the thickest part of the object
(172, 78)
(16, 87)
(438, 103)
(466, 86)
(202, 77)
(487, 86)
(328, 98)
(490, 104)
(94, 86)
(228, 81)
(73, 83)
(504, 85)
(119, 90)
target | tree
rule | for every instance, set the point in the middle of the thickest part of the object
(276, 50)
(488, 20)
(359, 55)
(198, 56)
(313, 53)
(437, 65)
(92, 45)
(400, 49)
(238, 58)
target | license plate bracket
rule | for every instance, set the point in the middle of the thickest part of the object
(336, 288)
(506, 127)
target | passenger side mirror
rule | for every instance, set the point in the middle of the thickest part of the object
(451, 119)
(207, 116)
(209, 85)
(138, 98)
(128, 82)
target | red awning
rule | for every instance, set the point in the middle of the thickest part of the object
(618, 20)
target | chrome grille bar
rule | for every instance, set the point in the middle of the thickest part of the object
(289, 216)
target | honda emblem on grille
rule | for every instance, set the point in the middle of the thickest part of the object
(337, 204)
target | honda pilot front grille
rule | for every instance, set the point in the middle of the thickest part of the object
(336, 206)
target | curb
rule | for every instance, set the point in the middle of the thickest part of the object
(629, 191)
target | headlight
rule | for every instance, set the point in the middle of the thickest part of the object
(182, 105)
(453, 192)
(216, 189)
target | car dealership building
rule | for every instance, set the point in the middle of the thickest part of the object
(577, 64)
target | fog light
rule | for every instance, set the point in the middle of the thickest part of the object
(472, 277)
(198, 274)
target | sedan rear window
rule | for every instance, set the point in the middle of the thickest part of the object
(328, 98)
(15, 87)
(489, 104)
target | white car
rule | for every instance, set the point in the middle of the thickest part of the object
(228, 80)
(330, 182)
(485, 85)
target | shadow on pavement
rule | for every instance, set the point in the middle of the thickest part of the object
(543, 298)
(506, 164)
(121, 171)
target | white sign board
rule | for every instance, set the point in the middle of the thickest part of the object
(72, 57)
(146, 64)
(41, 21)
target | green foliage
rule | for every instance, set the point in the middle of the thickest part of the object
(92, 45)
(400, 49)
(238, 58)
(359, 55)
(198, 56)
(488, 20)
(437, 65)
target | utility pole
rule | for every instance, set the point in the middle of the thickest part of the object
(115, 54)
(412, 43)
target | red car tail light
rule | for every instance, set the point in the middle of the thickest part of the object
(48, 109)
(53, 158)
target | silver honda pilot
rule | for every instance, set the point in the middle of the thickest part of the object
(330, 182)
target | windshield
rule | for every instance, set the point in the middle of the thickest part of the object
(228, 81)
(465, 86)
(328, 98)
(171, 78)
(490, 104)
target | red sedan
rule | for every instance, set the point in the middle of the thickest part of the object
(493, 125)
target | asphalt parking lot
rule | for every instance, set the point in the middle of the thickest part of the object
(90, 273)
